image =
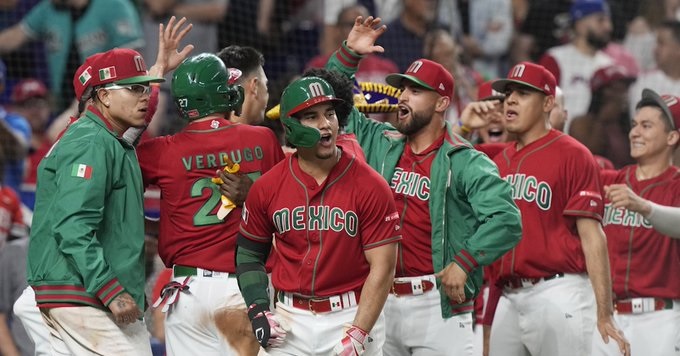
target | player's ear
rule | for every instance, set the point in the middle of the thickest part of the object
(442, 104)
(548, 103)
(673, 138)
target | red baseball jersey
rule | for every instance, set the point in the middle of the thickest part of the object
(321, 231)
(182, 166)
(11, 216)
(410, 185)
(554, 180)
(643, 261)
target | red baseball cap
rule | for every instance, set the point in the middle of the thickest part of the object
(669, 104)
(121, 66)
(426, 73)
(528, 74)
(27, 89)
(486, 92)
(608, 74)
(84, 78)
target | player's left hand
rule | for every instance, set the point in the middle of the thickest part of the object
(352, 344)
(363, 35)
(621, 196)
(453, 282)
(169, 37)
(235, 186)
(607, 328)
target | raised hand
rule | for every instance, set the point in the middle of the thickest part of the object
(477, 113)
(169, 37)
(622, 196)
(363, 35)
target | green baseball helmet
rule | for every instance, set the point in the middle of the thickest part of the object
(298, 96)
(202, 85)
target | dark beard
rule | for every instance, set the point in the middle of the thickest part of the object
(418, 121)
(597, 42)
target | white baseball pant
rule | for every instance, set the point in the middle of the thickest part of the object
(555, 317)
(415, 326)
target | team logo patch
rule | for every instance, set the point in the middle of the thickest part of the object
(107, 73)
(393, 216)
(214, 124)
(588, 193)
(85, 76)
(81, 171)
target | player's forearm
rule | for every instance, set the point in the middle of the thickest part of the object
(374, 293)
(251, 273)
(664, 219)
(7, 346)
(597, 264)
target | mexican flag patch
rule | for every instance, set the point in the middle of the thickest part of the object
(107, 73)
(82, 171)
(85, 77)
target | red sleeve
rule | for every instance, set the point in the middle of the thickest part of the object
(153, 103)
(378, 217)
(551, 65)
(583, 186)
(255, 222)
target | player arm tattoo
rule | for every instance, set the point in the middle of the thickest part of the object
(251, 273)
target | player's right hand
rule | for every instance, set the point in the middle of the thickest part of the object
(476, 114)
(352, 344)
(125, 310)
(269, 329)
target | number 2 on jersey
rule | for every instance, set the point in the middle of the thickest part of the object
(205, 216)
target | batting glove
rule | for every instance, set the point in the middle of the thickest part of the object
(353, 342)
(268, 328)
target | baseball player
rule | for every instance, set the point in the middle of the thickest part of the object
(456, 213)
(646, 295)
(335, 230)
(550, 307)
(192, 239)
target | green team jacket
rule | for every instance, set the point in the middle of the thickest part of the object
(474, 218)
(87, 238)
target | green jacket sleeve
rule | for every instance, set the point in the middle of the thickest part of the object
(498, 221)
(374, 137)
(83, 181)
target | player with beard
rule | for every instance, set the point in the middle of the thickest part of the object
(457, 214)
(574, 63)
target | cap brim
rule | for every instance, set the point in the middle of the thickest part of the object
(140, 80)
(493, 97)
(311, 102)
(651, 97)
(396, 79)
(500, 85)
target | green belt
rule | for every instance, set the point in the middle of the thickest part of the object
(186, 271)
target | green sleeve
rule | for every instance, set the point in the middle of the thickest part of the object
(369, 133)
(252, 276)
(123, 23)
(83, 181)
(34, 22)
(499, 226)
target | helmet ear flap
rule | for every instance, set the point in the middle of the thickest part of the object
(235, 97)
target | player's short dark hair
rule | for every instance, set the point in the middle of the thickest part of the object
(674, 27)
(342, 86)
(246, 59)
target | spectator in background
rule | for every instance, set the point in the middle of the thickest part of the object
(441, 47)
(205, 16)
(559, 113)
(13, 242)
(604, 128)
(372, 68)
(574, 63)
(30, 100)
(75, 30)
(253, 80)
(640, 37)
(15, 141)
(484, 29)
(405, 40)
(666, 77)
